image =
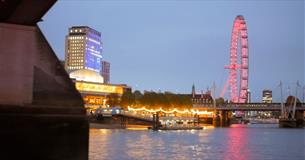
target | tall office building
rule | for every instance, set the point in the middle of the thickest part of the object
(267, 96)
(105, 72)
(83, 49)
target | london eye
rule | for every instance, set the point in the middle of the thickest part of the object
(239, 66)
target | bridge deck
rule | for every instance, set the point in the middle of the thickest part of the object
(246, 107)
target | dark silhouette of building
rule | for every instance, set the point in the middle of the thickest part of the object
(105, 72)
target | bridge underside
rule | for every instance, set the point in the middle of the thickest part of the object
(24, 12)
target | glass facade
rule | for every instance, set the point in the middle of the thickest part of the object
(83, 49)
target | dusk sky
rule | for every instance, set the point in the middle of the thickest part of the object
(169, 45)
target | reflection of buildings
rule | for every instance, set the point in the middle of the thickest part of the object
(95, 93)
(267, 96)
(83, 49)
(202, 98)
(105, 72)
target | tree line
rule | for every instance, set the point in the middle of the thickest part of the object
(166, 100)
(155, 100)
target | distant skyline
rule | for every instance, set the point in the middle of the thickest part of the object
(169, 45)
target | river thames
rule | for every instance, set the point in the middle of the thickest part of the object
(238, 142)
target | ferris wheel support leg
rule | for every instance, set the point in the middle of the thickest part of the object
(225, 88)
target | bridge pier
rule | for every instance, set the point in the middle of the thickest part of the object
(42, 115)
(222, 119)
(297, 122)
(156, 122)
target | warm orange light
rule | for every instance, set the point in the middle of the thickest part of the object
(89, 87)
(89, 99)
(171, 111)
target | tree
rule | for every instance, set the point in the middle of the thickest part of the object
(137, 97)
(155, 100)
(127, 99)
(113, 100)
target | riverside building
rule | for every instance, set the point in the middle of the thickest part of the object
(91, 75)
(94, 91)
(83, 49)
(267, 96)
(105, 71)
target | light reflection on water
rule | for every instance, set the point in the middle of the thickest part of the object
(239, 142)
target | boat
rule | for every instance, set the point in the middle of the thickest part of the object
(180, 128)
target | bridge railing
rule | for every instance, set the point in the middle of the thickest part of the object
(246, 106)
(172, 118)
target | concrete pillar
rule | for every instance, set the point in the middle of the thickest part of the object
(222, 119)
(299, 115)
(216, 119)
(292, 122)
(41, 113)
(156, 121)
(225, 118)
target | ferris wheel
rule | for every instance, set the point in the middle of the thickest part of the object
(239, 63)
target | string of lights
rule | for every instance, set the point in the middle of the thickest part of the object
(185, 111)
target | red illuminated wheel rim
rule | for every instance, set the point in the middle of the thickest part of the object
(238, 70)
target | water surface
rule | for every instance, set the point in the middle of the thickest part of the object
(239, 142)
